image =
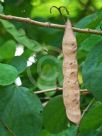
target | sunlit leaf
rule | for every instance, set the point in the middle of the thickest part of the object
(8, 74)
(21, 37)
(7, 50)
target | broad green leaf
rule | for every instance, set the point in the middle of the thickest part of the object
(20, 63)
(71, 131)
(94, 132)
(7, 50)
(55, 119)
(21, 37)
(8, 74)
(21, 111)
(92, 72)
(87, 41)
(92, 119)
(90, 20)
(46, 133)
(63, 133)
(87, 45)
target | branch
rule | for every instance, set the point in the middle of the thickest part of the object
(86, 109)
(49, 90)
(47, 24)
(83, 92)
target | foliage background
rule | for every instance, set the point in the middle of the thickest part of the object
(39, 67)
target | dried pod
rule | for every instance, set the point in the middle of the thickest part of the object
(71, 90)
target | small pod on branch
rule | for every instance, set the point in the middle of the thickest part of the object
(71, 90)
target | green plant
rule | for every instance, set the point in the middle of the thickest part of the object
(34, 106)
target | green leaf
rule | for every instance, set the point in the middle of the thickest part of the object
(8, 74)
(7, 50)
(92, 72)
(87, 45)
(55, 119)
(87, 41)
(46, 133)
(90, 20)
(71, 131)
(20, 63)
(92, 119)
(94, 132)
(3, 129)
(21, 111)
(21, 37)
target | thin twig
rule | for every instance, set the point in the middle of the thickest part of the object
(48, 90)
(83, 92)
(86, 109)
(47, 24)
(6, 126)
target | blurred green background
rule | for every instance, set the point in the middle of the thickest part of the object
(21, 43)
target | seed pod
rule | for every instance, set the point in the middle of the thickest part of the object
(71, 90)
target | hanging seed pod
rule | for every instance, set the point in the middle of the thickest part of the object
(71, 90)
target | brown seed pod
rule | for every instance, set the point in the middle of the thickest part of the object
(71, 90)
